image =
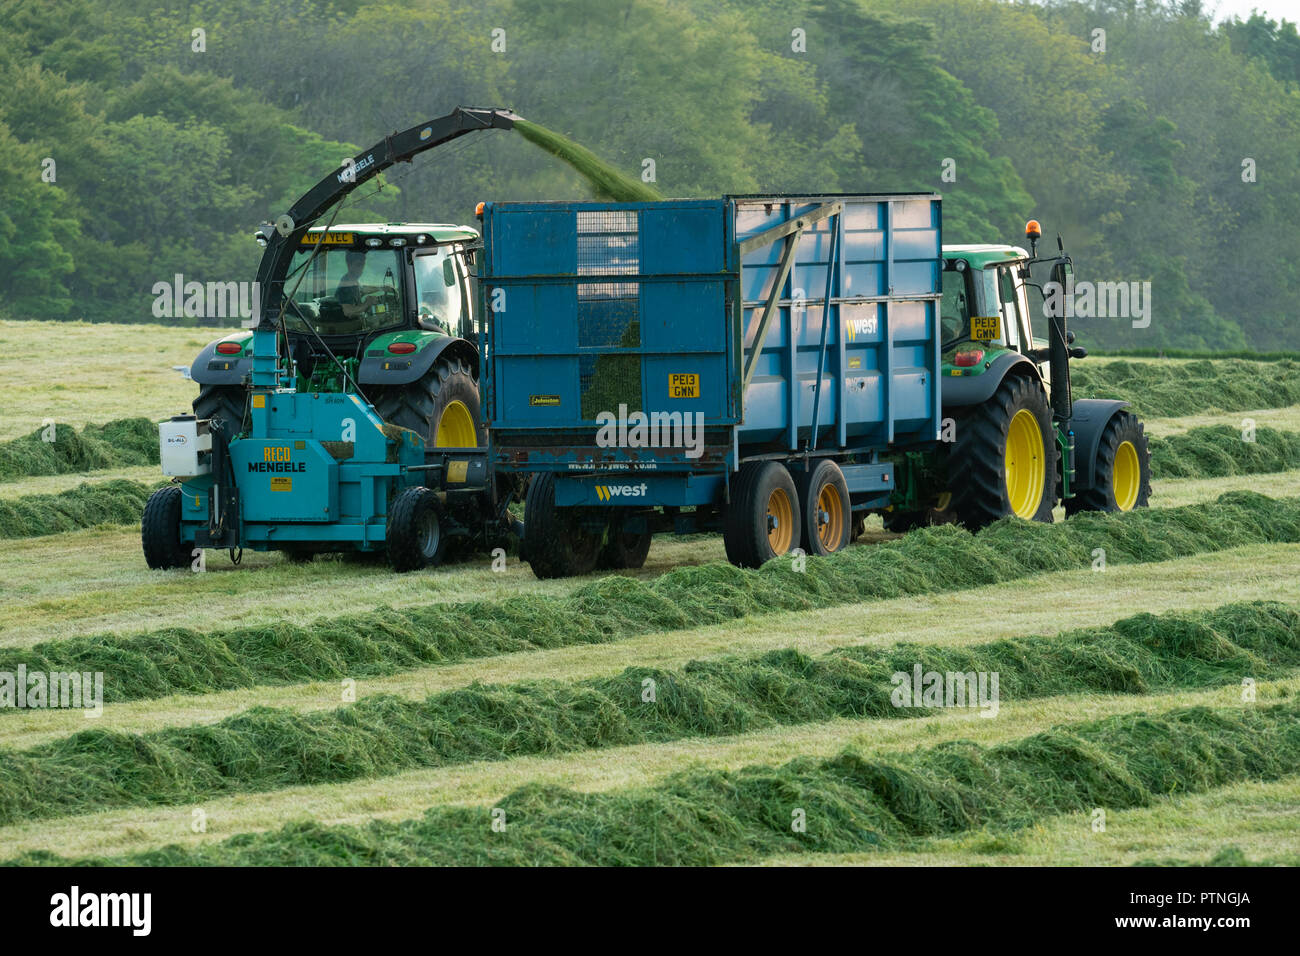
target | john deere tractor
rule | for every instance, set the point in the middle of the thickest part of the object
(1015, 442)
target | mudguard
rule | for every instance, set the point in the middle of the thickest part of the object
(1091, 416)
(388, 369)
(977, 389)
(213, 369)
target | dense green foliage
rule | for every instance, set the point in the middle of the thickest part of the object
(166, 156)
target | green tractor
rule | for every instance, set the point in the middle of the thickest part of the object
(1015, 442)
(386, 309)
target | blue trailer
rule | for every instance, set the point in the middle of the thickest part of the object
(754, 365)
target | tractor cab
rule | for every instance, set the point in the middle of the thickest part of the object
(384, 309)
(357, 280)
(987, 307)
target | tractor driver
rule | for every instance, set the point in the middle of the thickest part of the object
(348, 293)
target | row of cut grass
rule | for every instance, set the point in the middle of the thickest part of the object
(1246, 824)
(266, 749)
(124, 442)
(847, 803)
(1221, 450)
(385, 641)
(1061, 600)
(1189, 388)
(406, 795)
(86, 506)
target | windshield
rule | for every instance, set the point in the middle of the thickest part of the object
(344, 291)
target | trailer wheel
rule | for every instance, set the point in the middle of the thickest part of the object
(416, 531)
(762, 521)
(160, 531)
(1122, 473)
(555, 543)
(227, 402)
(623, 550)
(442, 407)
(1004, 459)
(826, 511)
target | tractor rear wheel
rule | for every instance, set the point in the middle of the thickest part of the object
(442, 407)
(826, 509)
(227, 402)
(555, 542)
(1004, 460)
(416, 532)
(762, 521)
(1122, 471)
(160, 530)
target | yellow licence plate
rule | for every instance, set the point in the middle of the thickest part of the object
(331, 238)
(985, 328)
(683, 385)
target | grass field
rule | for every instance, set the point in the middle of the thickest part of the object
(336, 712)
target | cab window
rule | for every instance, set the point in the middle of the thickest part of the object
(955, 308)
(1008, 306)
(438, 291)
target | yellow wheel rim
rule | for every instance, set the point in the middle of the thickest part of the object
(830, 518)
(1126, 477)
(1026, 464)
(455, 427)
(780, 521)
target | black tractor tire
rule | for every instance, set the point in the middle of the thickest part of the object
(977, 462)
(1123, 428)
(859, 526)
(555, 543)
(419, 406)
(417, 533)
(825, 530)
(227, 402)
(623, 550)
(160, 531)
(763, 520)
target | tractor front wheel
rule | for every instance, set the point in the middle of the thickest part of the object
(1121, 472)
(417, 535)
(1004, 460)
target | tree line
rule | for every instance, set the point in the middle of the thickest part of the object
(145, 139)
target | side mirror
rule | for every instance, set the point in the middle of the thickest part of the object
(448, 272)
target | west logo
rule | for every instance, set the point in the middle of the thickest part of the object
(608, 492)
(855, 327)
